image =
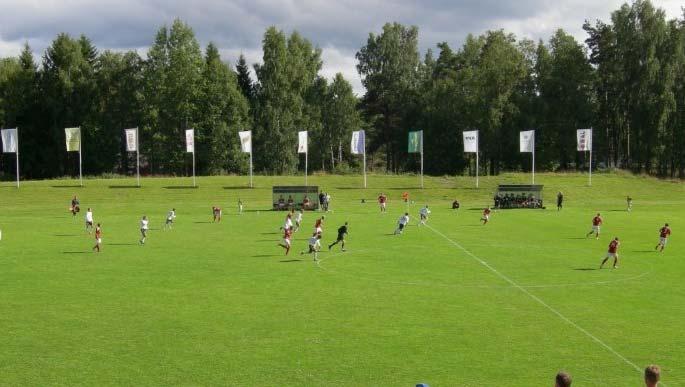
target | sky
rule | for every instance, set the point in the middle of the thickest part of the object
(339, 27)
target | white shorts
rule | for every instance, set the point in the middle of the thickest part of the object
(595, 229)
(663, 240)
(286, 242)
(319, 230)
(612, 255)
(99, 240)
(486, 217)
(383, 205)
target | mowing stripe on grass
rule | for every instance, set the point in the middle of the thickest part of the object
(537, 299)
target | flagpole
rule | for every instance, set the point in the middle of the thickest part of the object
(476, 169)
(590, 175)
(194, 160)
(251, 185)
(533, 158)
(17, 154)
(364, 162)
(422, 159)
(138, 157)
(306, 157)
(80, 159)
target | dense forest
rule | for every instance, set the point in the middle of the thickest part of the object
(626, 80)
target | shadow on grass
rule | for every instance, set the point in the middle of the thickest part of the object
(291, 260)
(75, 252)
(270, 233)
(264, 256)
(181, 187)
(577, 238)
(265, 240)
(205, 222)
(123, 186)
(586, 269)
(617, 211)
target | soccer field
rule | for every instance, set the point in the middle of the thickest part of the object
(454, 303)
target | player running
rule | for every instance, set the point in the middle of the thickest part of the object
(629, 203)
(664, 233)
(342, 231)
(89, 220)
(423, 215)
(596, 224)
(402, 222)
(143, 229)
(612, 253)
(382, 200)
(288, 223)
(170, 217)
(314, 246)
(486, 216)
(318, 226)
(287, 234)
(240, 206)
(216, 212)
(98, 238)
(298, 219)
(560, 201)
(75, 206)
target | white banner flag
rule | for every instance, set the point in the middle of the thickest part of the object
(358, 142)
(10, 140)
(471, 141)
(131, 139)
(73, 136)
(527, 141)
(190, 140)
(246, 141)
(584, 140)
(302, 142)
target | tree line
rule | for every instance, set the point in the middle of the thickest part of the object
(626, 81)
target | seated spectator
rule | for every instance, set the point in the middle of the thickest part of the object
(291, 202)
(563, 380)
(281, 202)
(305, 202)
(652, 375)
(455, 204)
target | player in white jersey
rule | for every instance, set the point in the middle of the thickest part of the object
(314, 246)
(240, 206)
(402, 222)
(143, 229)
(89, 220)
(170, 219)
(298, 219)
(288, 224)
(423, 215)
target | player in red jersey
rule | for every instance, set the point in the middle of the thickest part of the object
(98, 238)
(664, 233)
(216, 212)
(287, 234)
(318, 226)
(382, 199)
(486, 216)
(612, 253)
(596, 223)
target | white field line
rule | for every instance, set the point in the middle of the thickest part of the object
(537, 299)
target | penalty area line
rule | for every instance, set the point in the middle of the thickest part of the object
(537, 299)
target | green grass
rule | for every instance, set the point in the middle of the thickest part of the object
(219, 304)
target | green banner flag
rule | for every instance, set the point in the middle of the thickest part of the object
(415, 142)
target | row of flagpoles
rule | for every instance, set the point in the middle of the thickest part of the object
(10, 144)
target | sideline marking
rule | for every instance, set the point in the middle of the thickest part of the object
(537, 299)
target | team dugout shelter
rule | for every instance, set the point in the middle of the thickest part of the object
(287, 198)
(519, 196)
